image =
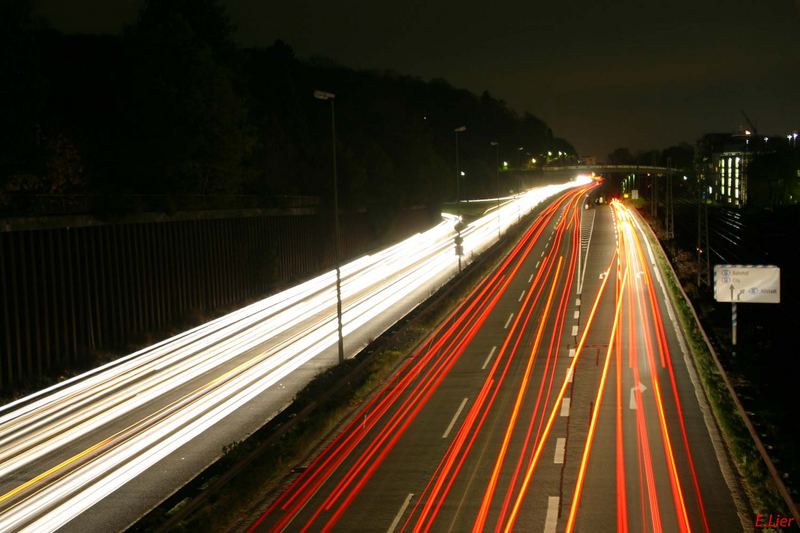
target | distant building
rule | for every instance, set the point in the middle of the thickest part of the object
(723, 160)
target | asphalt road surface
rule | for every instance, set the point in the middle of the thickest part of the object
(96, 452)
(558, 396)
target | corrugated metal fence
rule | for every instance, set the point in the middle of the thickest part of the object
(70, 294)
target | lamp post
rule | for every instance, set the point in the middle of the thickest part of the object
(458, 130)
(497, 181)
(326, 96)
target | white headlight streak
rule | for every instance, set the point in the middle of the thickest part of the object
(180, 387)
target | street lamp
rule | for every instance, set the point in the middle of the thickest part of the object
(458, 130)
(322, 95)
(497, 181)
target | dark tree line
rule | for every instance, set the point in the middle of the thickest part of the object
(679, 156)
(173, 106)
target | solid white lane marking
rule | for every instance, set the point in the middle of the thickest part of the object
(551, 518)
(455, 417)
(559, 457)
(565, 407)
(574, 331)
(530, 278)
(569, 375)
(572, 352)
(489, 357)
(400, 513)
(577, 302)
(508, 321)
(521, 295)
(632, 403)
(576, 315)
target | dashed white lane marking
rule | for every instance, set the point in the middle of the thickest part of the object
(542, 254)
(508, 321)
(551, 518)
(559, 457)
(569, 375)
(537, 264)
(530, 278)
(577, 302)
(574, 331)
(521, 295)
(455, 417)
(565, 407)
(489, 357)
(400, 513)
(572, 352)
(576, 315)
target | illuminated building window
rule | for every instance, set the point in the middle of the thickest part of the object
(737, 193)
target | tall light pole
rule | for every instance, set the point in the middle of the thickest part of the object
(497, 181)
(458, 130)
(322, 95)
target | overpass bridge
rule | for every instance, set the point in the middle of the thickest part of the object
(613, 169)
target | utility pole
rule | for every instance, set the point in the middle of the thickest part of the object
(322, 95)
(496, 145)
(703, 248)
(654, 197)
(458, 130)
(669, 205)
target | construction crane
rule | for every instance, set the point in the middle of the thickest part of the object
(753, 128)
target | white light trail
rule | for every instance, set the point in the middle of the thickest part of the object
(238, 357)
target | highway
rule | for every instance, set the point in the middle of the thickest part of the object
(559, 396)
(95, 452)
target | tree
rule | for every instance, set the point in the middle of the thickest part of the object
(22, 93)
(621, 156)
(187, 121)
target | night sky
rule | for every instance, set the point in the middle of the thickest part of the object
(602, 73)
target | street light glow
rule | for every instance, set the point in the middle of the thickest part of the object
(324, 95)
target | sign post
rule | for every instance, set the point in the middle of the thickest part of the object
(733, 318)
(746, 284)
